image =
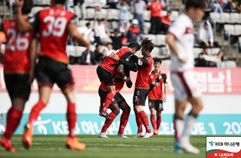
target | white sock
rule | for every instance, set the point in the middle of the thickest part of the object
(179, 125)
(189, 124)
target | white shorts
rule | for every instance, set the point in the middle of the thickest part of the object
(184, 85)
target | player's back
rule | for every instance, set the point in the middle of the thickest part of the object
(109, 64)
(16, 56)
(142, 80)
(54, 32)
(182, 29)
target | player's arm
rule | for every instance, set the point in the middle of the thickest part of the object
(77, 36)
(165, 88)
(23, 26)
(2, 38)
(33, 57)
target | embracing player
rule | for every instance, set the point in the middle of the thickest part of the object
(54, 25)
(156, 99)
(180, 39)
(18, 65)
(144, 67)
(106, 70)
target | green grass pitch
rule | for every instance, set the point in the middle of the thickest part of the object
(54, 146)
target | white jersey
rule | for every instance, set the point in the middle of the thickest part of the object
(182, 29)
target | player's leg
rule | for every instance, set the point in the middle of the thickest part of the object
(108, 79)
(115, 111)
(159, 109)
(45, 84)
(124, 116)
(137, 116)
(19, 91)
(153, 115)
(194, 96)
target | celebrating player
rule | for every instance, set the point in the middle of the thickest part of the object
(119, 102)
(142, 86)
(181, 39)
(155, 96)
(18, 71)
(105, 73)
(53, 24)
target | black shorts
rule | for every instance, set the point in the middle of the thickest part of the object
(17, 85)
(49, 71)
(118, 97)
(140, 96)
(157, 104)
(105, 76)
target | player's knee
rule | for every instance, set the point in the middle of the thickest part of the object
(127, 109)
(116, 111)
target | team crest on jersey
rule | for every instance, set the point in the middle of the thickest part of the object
(160, 77)
(140, 62)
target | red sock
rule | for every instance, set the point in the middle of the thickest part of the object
(145, 121)
(36, 111)
(158, 122)
(108, 122)
(138, 122)
(71, 118)
(12, 122)
(108, 100)
(153, 121)
(123, 122)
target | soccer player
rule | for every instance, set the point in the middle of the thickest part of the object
(18, 62)
(144, 67)
(121, 76)
(105, 73)
(54, 25)
(155, 96)
(181, 39)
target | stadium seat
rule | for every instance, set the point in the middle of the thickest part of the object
(89, 3)
(214, 51)
(196, 52)
(114, 14)
(36, 9)
(166, 63)
(102, 14)
(147, 26)
(155, 53)
(89, 13)
(70, 50)
(235, 18)
(229, 29)
(161, 40)
(163, 13)
(79, 50)
(224, 18)
(152, 37)
(174, 15)
(229, 64)
(237, 30)
(215, 17)
(147, 15)
(83, 22)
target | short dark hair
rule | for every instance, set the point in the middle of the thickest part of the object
(205, 23)
(60, 2)
(196, 4)
(87, 24)
(147, 44)
(134, 45)
(157, 61)
(27, 6)
(169, 11)
(116, 30)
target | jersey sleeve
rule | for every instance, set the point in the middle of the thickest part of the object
(165, 78)
(142, 63)
(34, 21)
(36, 35)
(73, 20)
(176, 29)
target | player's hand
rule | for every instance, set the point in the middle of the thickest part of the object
(165, 99)
(19, 3)
(183, 59)
(114, 56)
(129, 84)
